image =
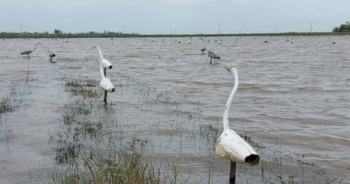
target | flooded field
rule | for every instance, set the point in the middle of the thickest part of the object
(292, 105)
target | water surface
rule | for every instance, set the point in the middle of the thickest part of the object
(293, 99)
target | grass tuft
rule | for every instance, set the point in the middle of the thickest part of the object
(6, 105)
(84, 88)
(125, 168)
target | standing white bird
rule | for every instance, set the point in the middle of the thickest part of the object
(189, 40)
(106, 83)
(230, 145)
(105, 63)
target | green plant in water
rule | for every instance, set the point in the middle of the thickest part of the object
(84, 88)
(6, 105)
(125, 168)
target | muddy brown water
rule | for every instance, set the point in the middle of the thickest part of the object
(293, 99)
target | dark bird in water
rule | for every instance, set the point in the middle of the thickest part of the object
(51, 56)
(205, 45)
(212, 55)
(203, 49)
(29, 51)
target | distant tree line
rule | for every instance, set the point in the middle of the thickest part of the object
(60, 34)
(91, 34)
(111, 34)
(343, 27)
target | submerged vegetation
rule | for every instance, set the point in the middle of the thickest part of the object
(93, 149)
(126, 169)
(6, 105)
(83, 88)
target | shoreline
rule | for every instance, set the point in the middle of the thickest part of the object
(12, 35)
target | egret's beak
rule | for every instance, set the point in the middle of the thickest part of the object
(94, 47)
(228, 67)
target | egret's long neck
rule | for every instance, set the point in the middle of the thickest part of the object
(35, 47)
(206, 44)
(229, 100)
(99, 53)
(101, 70)
(101, 56)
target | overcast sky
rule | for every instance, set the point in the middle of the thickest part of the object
(173, 16)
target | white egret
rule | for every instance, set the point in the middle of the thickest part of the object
(230, 145)
(106, 83)
(29, 51)
(105, 63)
(189, 40)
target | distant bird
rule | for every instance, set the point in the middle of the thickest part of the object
(230, 145)
(105, 63)
(211, 54)
(105, 82)
(51, 56)
(189, 40)
(29, 51)
(205, 47)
